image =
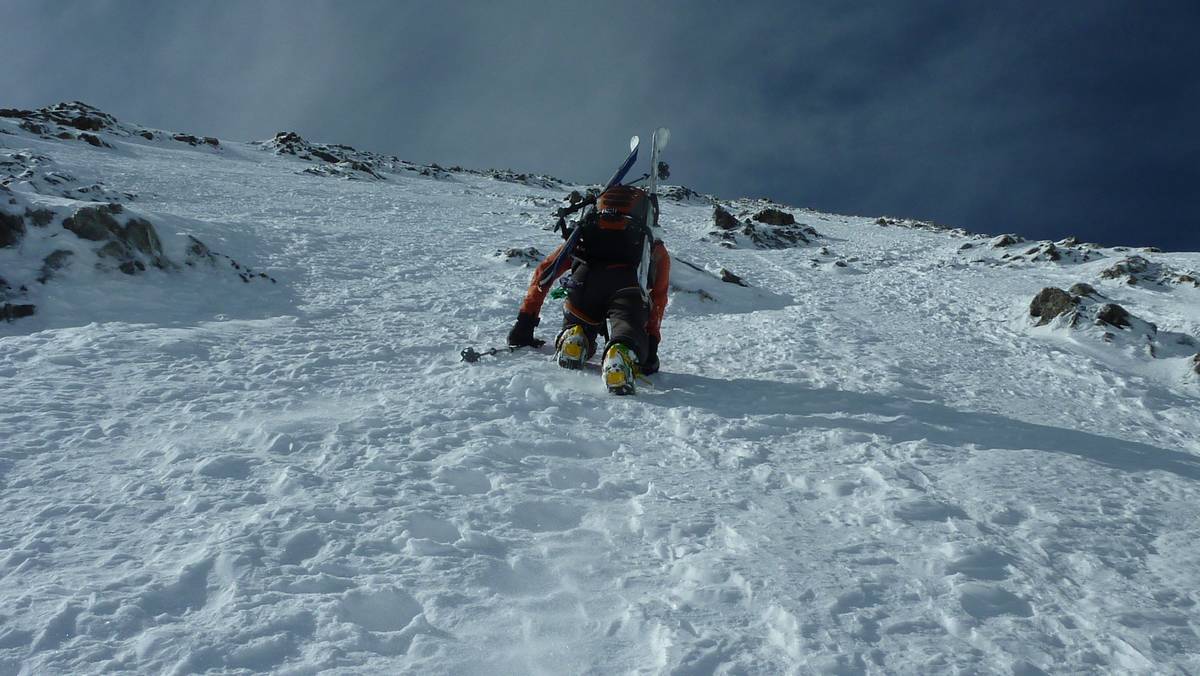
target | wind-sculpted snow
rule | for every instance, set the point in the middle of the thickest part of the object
(29, 172)
(881, 466)
(697, 291)
(59, 258)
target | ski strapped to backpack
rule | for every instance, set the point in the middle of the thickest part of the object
(563, 260)
(658, 142)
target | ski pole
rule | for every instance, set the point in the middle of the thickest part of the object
(470, 355)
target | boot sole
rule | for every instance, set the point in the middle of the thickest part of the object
(618, 384)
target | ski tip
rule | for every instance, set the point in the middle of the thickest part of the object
(661, 136)
(633, 142)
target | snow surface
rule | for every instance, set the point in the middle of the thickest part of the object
(869, 462)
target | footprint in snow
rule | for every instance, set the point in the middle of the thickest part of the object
(545, 516)
(425, 526)
(980, 563)
(1009, 516)
(225, 467)
(300, 546)
(984, 601)
(927, 510)
(564, 478)
(380, 609)
(839, 488)
(462, 480)
(868, 595)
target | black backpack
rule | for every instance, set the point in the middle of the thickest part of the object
(615, 232)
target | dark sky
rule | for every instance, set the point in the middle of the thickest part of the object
(1042, 118)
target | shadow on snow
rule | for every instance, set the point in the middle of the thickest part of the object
(913, 421)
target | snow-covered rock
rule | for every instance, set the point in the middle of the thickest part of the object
(1139, 270)
(767, 228)
(1085, 311)
(75, 120)
(525, 256)
(30, 172)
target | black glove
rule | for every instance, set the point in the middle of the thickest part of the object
(651, 365)
(522, 332)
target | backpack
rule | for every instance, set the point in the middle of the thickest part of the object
(616, 232)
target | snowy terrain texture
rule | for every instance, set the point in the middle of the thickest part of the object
(236, 435)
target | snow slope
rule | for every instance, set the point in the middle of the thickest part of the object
(870, 462)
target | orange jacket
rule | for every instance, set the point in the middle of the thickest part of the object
(660, 282)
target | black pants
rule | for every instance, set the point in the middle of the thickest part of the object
(610, 294)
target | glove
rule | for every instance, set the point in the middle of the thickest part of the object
(651, 365)
(521, 334)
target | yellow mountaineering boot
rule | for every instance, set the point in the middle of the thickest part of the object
(620, 369)
(572, 348)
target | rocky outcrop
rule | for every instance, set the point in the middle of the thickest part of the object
(723, 219)
(1045, 251)
(527, 257)
(194, 140)
(12, 229)
(42, 175)
(768, 228)
(532, 180)
(73, 114)
(332, 159)
(1051, 302)
(92, 139)
(1128, 269)
(914, 224)
(1138, 270)
(95, 224)
(1085, 312)
(128, 246)
(53, 262)
(1080, 303)
(1082, 289)
(1113, 315)
(730, 278)
(12, 312)
(56, 120)
(67, 236)
(198, 253)
(679, 193)
(104, 236)
(75, 120)
(772, 216)
(1049, 252)
(40, 218)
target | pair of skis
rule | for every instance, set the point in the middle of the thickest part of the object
(563, 260)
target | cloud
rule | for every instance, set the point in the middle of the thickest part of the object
(1031, 117)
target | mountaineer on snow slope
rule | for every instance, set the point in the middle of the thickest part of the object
(620, 273)
(605, 295)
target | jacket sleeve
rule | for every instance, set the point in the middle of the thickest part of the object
(535, 295)
(660, 283)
